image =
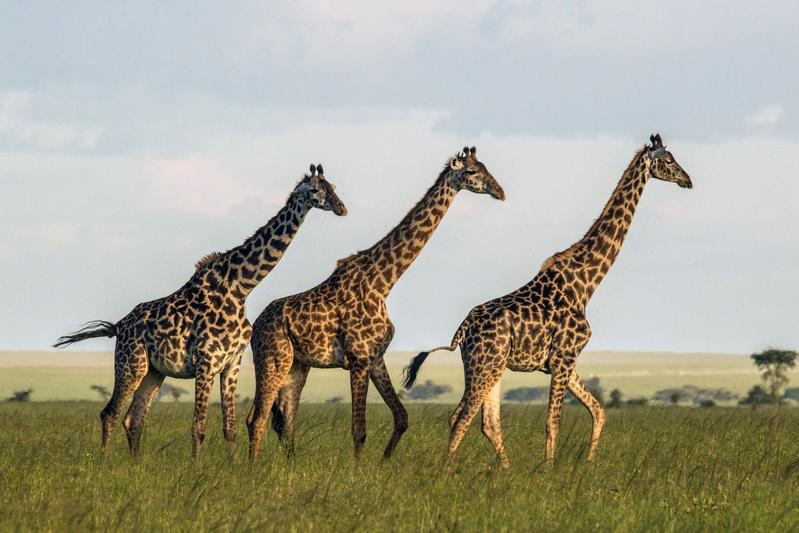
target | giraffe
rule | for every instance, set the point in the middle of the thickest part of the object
(200, 330)
(542, 325)
(343, 322)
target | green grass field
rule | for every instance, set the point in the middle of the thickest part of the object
(657, 469)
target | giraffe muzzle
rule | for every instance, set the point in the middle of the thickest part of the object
(498, 193)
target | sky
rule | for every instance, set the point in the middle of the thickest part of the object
(136, 138)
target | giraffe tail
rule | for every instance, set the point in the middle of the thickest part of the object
(90, 330)
(410, 372)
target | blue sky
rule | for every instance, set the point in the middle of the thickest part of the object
(135, 139)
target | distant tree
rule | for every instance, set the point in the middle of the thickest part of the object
(20, 396)
(693, 394)
(102, 391)
(615, 399)
(638, 401)
(757, 395)
(171, 390)
(335, 399)
(791, 394)
(707, 403)
(527, 394)
(428, 391)
(774, 365)
(676, 396)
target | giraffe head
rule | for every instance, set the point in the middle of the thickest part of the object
(319, 192)
(466, 172)
(661, 164)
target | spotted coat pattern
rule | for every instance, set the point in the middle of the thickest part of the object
(343, 322)
(542, 325)
(201, 330)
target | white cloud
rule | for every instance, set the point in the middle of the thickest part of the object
(633, 27)
(194, 183)
(43, 134)
(765, 116)
(339, 29)
(54, 235)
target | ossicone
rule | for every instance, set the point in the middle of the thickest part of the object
(656, 141)
(313, 169)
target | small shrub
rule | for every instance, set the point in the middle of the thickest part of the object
(756, 396)
(171, 390)
(615, 399)
(20, 396)
(527, 395)
(428, 391)
(638, 401)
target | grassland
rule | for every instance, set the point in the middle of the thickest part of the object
(657, 469)
(68, 375)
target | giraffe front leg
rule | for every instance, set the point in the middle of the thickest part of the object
(359, 386)
(137, 414)
(557, 389)
(586, 397)
(203, 383)
(228, 380)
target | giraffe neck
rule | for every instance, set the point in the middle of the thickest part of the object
(594, 254)
(391, 256)
(248, 264)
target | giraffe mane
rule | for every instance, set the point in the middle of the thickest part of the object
(361, 253)
(568, 252)
(206, 259)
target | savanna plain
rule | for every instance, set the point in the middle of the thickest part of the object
(661, 468)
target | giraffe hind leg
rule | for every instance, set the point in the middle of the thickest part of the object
(479, 382)
(456, 413)
(228, 380)
(582, 393)
(491, 424)
(139, 407)
(130, 367)
(382, 381)
(285, 407)
(273, 358)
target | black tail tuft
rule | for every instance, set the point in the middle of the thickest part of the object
(90, 330)
(410, 372)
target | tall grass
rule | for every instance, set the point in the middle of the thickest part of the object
(661, 469)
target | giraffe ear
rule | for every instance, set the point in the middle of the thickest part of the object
(456, 163)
